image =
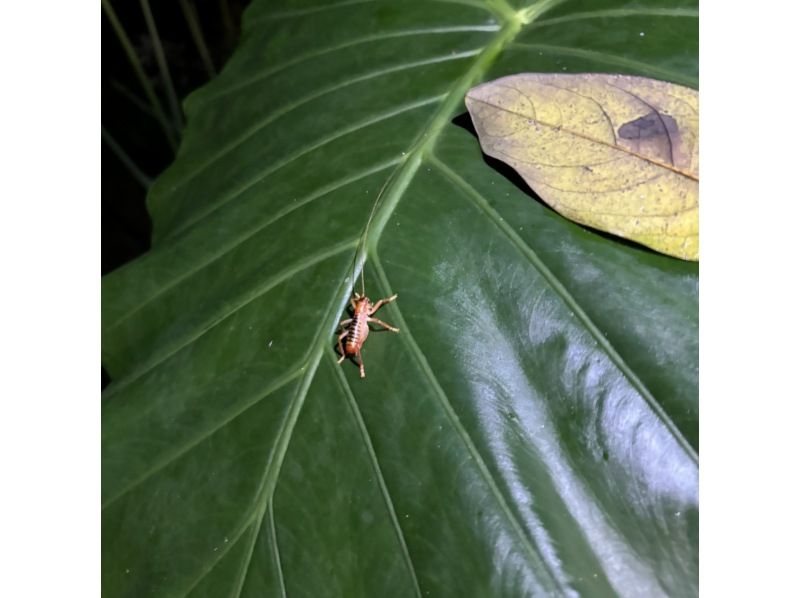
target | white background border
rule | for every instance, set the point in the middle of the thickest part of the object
(50, 260)
(50, 273)
(749, 302)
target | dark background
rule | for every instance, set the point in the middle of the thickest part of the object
(130, 131)
(127, 119)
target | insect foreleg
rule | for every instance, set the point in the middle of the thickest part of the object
(382, 323)
(378, 305)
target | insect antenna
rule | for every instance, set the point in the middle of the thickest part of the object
(361, 247)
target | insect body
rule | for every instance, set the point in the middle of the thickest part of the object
(356, 329)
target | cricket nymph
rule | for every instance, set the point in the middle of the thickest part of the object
(359, 327)
(356, 329)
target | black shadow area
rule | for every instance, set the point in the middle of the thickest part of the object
(465, 122)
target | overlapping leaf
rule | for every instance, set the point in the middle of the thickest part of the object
(533, 429)
(615, 152)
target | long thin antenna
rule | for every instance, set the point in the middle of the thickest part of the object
(362, 242)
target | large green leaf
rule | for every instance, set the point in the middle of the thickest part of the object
(533, 429)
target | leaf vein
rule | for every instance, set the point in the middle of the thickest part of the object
(527, 543)
(244, 570)
(244, 236)
(176, 454)
(569, 300)
(273, 536)
(286, 109)
(281, 445)
(607, 58)
(217, 557)
(618, 148)
(373, 457)
(616, 13)
(302, 12)
(270, 283)
(299, 153)
(211, 97)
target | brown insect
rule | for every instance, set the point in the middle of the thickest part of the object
(356, 328)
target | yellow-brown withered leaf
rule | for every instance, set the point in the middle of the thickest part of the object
(613, 152)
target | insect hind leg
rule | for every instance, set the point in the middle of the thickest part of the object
(361, 365)
(341, 348)
(382, 323)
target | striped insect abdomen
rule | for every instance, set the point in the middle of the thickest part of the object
(357, 334)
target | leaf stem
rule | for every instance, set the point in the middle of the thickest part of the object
(162, 63)
(190, 14)
(125, 41)
(136, 172)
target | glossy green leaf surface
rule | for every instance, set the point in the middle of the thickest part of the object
(533, 429)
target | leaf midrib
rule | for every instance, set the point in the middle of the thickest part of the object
(624, 150)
